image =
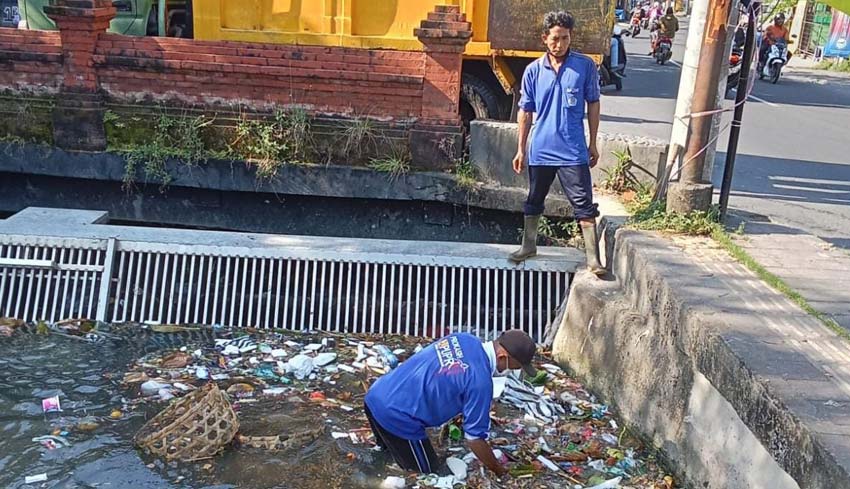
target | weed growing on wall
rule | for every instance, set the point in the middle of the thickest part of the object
(359, 138)
(560, 232)
(464, 171)
(395, 162)
(269, 143)
(174, 137)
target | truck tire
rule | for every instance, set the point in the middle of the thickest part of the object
(478, 100)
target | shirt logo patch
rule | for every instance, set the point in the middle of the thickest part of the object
(450, 355)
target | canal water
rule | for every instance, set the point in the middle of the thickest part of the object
(87, 378)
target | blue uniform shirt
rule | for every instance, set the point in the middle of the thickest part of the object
(449, 377)
(558, 101)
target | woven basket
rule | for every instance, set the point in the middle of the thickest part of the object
(195, 427)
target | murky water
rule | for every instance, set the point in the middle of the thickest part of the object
(101, 453)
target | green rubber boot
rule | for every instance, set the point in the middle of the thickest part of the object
(529, 240)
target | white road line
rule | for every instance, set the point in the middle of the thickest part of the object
(759, 99)
(675, 63)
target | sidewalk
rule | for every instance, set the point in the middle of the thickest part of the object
(817, 270)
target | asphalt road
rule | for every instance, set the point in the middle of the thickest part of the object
(793, 163)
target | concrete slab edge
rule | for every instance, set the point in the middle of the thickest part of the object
(668, 365)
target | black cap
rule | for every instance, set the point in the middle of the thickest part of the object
(521, 347)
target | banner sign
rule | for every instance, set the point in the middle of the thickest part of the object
(838, 44)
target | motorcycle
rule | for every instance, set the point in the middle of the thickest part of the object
(635, 25)
(735, 61)
(613, 75)
(777, 56)
(663, 49)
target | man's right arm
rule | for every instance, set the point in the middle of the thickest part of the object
(485, 455)
(523, 130)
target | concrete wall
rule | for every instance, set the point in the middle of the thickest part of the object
(687, 362)
(493, 146)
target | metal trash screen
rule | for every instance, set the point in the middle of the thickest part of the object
(125, 273)
(333, 296)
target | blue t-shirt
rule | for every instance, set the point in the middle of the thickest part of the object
(449, 377)
(558, 101)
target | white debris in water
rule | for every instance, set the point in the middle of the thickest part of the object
(458, 467)
(313, 347)
(323, 359)
(393, 482)
(278, 353)
(610, 484)
(152, 387)
(548, 463)
(32, 479)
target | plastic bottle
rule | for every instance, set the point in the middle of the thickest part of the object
(387, 356)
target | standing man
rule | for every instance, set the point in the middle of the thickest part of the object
(555, 90)
(451, 376)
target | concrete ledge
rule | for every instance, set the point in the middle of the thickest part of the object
(493, 146)
(737, 386)
(309, 180)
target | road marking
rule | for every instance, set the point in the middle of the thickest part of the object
(759, 99)
(675, 63)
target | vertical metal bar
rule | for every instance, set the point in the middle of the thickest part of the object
(409, 288)
(271, 293)
(418, 282)
(331, 283)
(367, 281)
(12, 289)
(48, 297)
(75, 286)
(400, 307)
(313, 295)
(540, 313)
(375, 268)
(67, 277)
(37, 289)
(356, 296)
(128, 284)
(322, 296)
(224, 293)
(295, 291)
(496, 302)
(17, 279)
(348, 297)
(190, 284)
(31, 274)
(255, 319)
(522, 300)
(486, 303)
(234, 284)
(136, 285)
(174, 269)
(23, 281)
(443, 303)
(337, 323)
(383, 296)
(249, 320)
(93, 285)
(392, 328)
(178, 318)
(203, 273)
(307, 265)
(285, 323)
(277, 295)
(425, 322)
(242, 298)
(505, 301)
(434, 323)
(3, 272)
(469, 302)
(154, 284)
(106, 280)
(56, 299)
(478, 303)
(124, 278)
(210, 317)
(513, 298)
(452, 305)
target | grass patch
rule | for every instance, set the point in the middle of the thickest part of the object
(841, 65)
(396, 161)
(649, 215)
(465, 173)
(359, 138)
(270, 143)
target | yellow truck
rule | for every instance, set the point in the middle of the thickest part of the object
(506, 34)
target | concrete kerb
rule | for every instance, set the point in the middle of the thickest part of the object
(694, 362)
(493, 146)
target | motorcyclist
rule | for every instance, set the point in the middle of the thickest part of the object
(774, 33)
(740, 35)
(667, 27)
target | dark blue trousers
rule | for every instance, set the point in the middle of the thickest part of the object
(575, 181)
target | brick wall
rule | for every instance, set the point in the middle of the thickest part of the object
(338, 81)
(30, 61)
(84, 63)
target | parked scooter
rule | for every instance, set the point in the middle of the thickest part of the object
(663, 49)
(613, 74)
(777, 56)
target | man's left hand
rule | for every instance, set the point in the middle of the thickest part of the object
(594, 155)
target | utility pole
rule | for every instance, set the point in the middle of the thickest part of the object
(692, 192)
(740, 98)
